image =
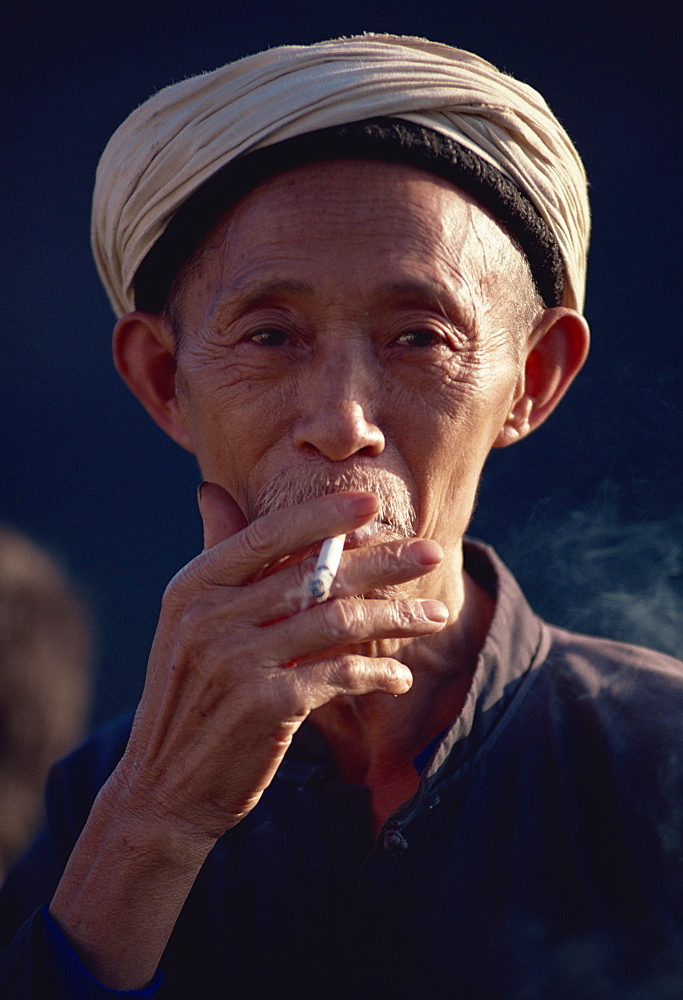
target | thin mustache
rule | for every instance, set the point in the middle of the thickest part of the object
(289, 488)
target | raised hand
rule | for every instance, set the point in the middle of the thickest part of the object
(219, 708)
(238, 661)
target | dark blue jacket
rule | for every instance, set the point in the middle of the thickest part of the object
(541, 858)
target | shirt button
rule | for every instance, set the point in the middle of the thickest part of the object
(394, 842)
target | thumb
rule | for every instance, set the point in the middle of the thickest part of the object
(221, 516)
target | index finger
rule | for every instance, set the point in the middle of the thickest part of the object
(282, 533)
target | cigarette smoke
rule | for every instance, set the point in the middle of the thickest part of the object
(291, 487)
(598, 571)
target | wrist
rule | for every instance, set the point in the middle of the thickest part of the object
(149, 827)
(124, 886)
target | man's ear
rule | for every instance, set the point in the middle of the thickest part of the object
(144, 355)
(555, 353)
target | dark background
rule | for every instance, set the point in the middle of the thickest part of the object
(587, 511)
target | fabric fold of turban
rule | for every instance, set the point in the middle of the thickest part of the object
(186, 133)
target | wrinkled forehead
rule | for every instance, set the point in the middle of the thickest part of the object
(377, 141)
(352, 241)
(343, 216)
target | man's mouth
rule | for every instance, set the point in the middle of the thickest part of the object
(373, 533)
(396, 516)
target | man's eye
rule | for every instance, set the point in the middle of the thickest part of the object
(418, 338)
(269, 338)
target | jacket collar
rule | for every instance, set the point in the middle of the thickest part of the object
(516, 642)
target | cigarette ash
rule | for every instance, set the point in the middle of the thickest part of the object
(326, 567)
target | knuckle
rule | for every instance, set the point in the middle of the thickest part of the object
(404, 616)
(341, 619)
(390, 556)
(386, 559)
(187, 584)
(278, 695)
(195, 624)
(251, 661)
(345, 672)
(174, 592)
(202, 628)
(257, 539)
(284, 703)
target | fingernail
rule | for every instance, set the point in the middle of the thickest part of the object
(199, 493)
(435, 611)
(427, 552)
(363, 504)
(407, 678)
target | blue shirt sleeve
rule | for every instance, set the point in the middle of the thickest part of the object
(40, 964)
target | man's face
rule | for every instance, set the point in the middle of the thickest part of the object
(346, 329)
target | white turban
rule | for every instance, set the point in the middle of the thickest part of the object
(184, 134)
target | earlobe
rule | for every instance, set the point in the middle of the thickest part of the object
(518, 423)
(555, 353)
(144, 355)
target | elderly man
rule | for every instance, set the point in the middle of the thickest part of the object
(344, 272)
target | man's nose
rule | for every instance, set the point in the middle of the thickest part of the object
(336, 419)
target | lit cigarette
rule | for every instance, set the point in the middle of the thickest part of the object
(326, 567)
